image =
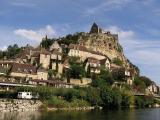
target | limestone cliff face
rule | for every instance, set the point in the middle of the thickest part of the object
(103, 42)
(107, 44)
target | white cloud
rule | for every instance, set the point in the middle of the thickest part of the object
(122, 34)
(23, 3)
(35, 35)
(106, 5)
(3, 48)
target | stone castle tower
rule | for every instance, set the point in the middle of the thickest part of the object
(95, 29)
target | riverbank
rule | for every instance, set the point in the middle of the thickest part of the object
(36, 105)
(19, 105)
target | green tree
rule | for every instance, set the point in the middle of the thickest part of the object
(93, 96)
(106, 76)
(117, 61)
(119, 74)
(77, 71)
(46, 43)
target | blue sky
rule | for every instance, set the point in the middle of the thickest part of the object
(136, 21)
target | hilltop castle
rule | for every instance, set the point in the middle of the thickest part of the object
(94, 50)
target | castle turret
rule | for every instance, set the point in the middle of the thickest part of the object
(95, 29)
(45, 38)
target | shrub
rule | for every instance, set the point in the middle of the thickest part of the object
(117, 61)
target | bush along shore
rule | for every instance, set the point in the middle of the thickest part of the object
(85, 98)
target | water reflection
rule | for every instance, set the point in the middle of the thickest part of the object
(27, 115)
(126, 114)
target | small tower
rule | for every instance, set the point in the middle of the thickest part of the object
(95, 29)
(45, 38)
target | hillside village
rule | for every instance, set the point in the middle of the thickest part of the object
(74, 60)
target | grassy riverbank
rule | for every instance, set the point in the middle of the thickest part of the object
(103, 96)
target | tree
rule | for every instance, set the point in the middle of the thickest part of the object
(106, 96)
(12, 51)
(57, 61)
(51, 73)
(119, 74)
(93, 96)
(106, 76)
(146, 80)
(77, 71)
(46, 43)
(117, 61)
(139, 84)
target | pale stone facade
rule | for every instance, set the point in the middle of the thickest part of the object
(56, 46)
(83, 82)
(23, 75)
(83, 53)
(152, 89)
(42, 75)
(45, 60)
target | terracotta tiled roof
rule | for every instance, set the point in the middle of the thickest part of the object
(23, 68)
(35, 54)
(44, 51)
(93, 60)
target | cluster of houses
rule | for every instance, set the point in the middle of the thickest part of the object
(32, 64)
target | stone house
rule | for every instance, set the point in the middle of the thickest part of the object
(35, 58)
(94, 64)
(83, 53)
(42, 74)
(23, 71)
(152, 89)
(45, 57)
(51, 83)
(56, 46)
(56, 61)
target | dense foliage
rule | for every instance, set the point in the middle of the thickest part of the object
(46, 43)
(141, 83)
(11, 51)
(70, 39)
(117, 61)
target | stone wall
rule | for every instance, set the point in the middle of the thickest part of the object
(19, 105)
(84, 81)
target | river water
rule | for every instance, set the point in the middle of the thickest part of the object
(127, 114)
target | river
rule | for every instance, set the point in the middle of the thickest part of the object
(127, 114)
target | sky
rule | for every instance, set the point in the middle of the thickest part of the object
(137, 22)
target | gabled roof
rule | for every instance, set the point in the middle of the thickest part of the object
(23, 68)
(57, 52)
(35, 54)
(93, 60)
(44, 51)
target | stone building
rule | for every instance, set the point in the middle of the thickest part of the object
(95, 29)
(94, 64)
(56, 61)
(23, 71)
(45, 57)
(83, 53)
(42, 74)
(56, 46)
